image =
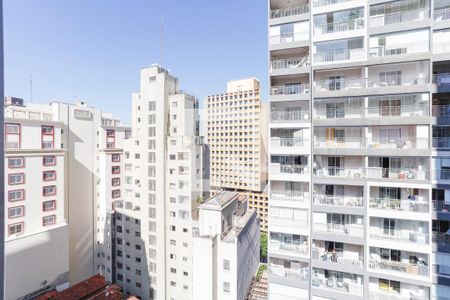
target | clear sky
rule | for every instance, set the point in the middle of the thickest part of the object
(92, 50)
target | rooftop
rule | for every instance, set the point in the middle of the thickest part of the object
(220, 200)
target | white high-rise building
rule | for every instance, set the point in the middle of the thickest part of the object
(60, 162)
(164, 185)
(359, 192)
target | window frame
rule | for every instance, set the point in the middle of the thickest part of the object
(21, 199)
(19, 166)
(46, 172)
(49, 216)
(15, 174)
(19, 216)
(19, 134)
(51, 194)
(49, 201)
(47, 157)
(47, 134)
(22, 224)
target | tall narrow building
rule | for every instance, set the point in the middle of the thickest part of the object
(164, 186)
(358, 189)
(237, 127)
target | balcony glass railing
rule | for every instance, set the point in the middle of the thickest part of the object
(405, 267)
(371, 82)
(403, 49)
(441, 47)
(441, 142)
(297, 142)
(346, 142)
(293, 89)
(289, 116)
(290, 63)
(336, 284)
(294, 247)
(339, 27)
(300, 274)
(375, 172)
(339, 172)
(288, 222)
(441, 238)
(289, 11)
(399, 17)
(340, 55)
(399, 204)
(318, 3)
(442, 174)
(286, 195)
(290, 37)
(346, 229)
(322, 254)
(400, 235)
(441, 111)
(347, 201)
(372, 112)
(442, 14)
(288, 169)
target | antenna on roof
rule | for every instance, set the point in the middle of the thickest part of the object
(161, 42)
(31, 89)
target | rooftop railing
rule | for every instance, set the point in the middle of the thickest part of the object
(289, 11)
(339, 26)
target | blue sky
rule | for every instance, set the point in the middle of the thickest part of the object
(92, 50)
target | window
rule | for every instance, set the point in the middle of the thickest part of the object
(49, 161)
(16, 162)
(16, 228)
(49, 205)
(16, 178)
(48, 220)
(151, 131)
(49, 175)
(226, 265)
(115, 194)
(226, 287)
(151, 119)
(152, 105)
(49, 190)
(16, 212)
(115, 181)
(12, 136)
(16, 195)
(115, 169)
(115, 157)
(127, 134)
(110, 138)
(47, 137)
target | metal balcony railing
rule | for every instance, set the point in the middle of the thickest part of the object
(288, 222)
(441, 142)
(441, 14)
(381, 295)
(344, 142)
(441, 111)
(441, 238)
(371, 112)
(441, 174)
(340, 55)
(322, 254)
(293, 274)
(336, 284)
(441, 47)
(409, 268)
(339, 172)
(399, 17)
(347, 229)
(397, 173)
(347, 201)
(286, 195)
(290, 37)
(318, 3)
(339, 26)
(288, 169)
(296, 142)
(289, 116)
(289, 11)
(293, 89)
(290, 63)
(399, 204)
(441, 206)
(402, 49)
(294, 247)
(411, 236)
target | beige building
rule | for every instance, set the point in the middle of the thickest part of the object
(237, 140)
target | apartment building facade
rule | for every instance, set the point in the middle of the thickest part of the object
(164, 185)
(237, 124)
(52, 180)
(358, 190)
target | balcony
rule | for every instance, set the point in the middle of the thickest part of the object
(289, 116)
(399, 205)
(441, 174)
(383, 295)
(441, 142)
(344, 284)
(294, 247)
(420, 268)
(343, 84)
(289, 11)
(340, 55)
(349, 25)
(371, 143)
(441, 111)
(441, 206)
(344, 201)
(286, 195)
(288, 143)
(405, 235)
(289, 38)
(441, 239)
(345, 142)
(344, 229)
(403, 49)
(398, 18)
(318, 3)
(278, 271)
(441, 47)
(288, 169)
(441, 14)
(289, 66)
(337, 257)
(339, 172)
(293, 89)
(397, 173)
(371, 112)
